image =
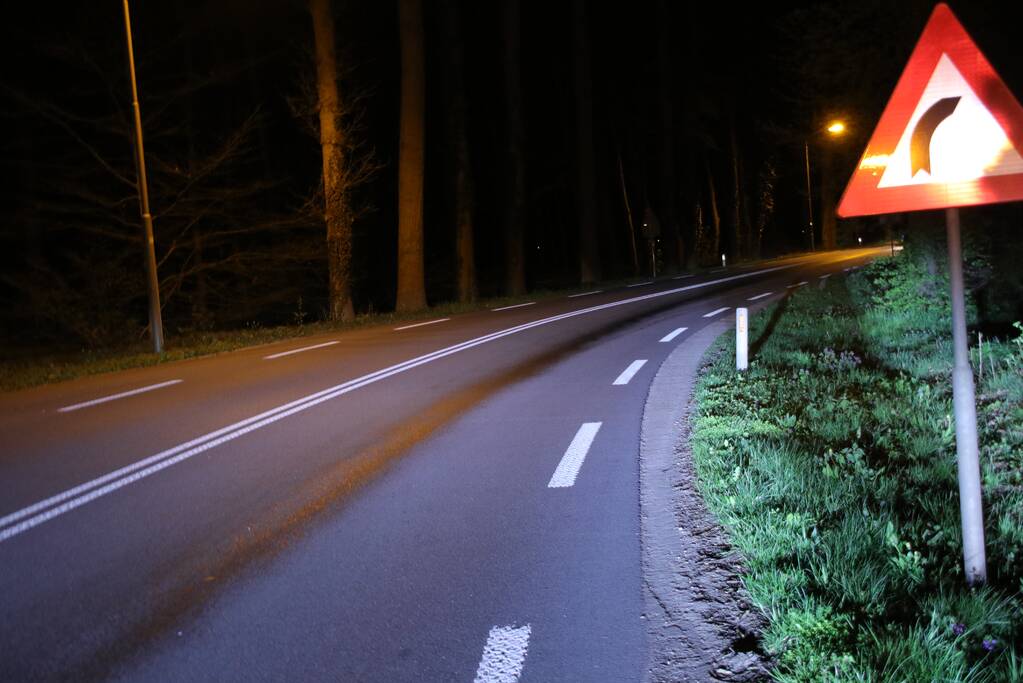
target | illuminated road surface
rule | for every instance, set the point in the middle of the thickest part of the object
(453, 501)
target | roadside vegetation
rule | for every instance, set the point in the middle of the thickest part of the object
(831, 464)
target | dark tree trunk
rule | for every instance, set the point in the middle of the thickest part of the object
(411, 279)
(828, 219)
(586, 193)
(514, 237)
(665, 93)
(459, 141)
(336, 208)
(715, 215)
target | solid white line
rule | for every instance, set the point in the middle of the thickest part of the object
(824, 277)
(508, 308)
(682, 277)
(83, 493)
(798, 284)
(596, 291)
(674, 333)
(759, 296)
(714, 313)
(304, 348)
(503, 655)
(114, 397)
(564, 476)
(640, 284)
(628, 373)
(428, 322)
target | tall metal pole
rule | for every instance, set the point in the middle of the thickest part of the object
(155, 318)
(964, 404)
(809, 197)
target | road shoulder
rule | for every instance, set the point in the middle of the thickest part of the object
(701, 623)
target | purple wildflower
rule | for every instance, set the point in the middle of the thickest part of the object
(958, 629)
(989, 644)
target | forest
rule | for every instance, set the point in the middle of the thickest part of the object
(324, 159)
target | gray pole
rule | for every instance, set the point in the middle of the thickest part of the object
(155, 318)
(809, 197)
(970, 503)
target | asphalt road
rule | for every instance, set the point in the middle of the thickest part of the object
(445, 502)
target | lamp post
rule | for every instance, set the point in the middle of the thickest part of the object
(836, 128)
(155, 318)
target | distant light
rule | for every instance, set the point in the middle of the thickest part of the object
(836, 128)
(860, 239)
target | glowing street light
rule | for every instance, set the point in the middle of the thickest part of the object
(836, 128)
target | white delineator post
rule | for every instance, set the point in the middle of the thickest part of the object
(741, 338)
(964, 405)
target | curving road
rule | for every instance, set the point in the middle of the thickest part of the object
(451, 501)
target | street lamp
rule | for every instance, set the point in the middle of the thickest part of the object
(836, 128)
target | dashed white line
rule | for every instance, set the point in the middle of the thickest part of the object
(503, 655)
(640, 284)
(568, 469)
(596, 291)
(629, 372)
(798, 284)
(304, 348)
(716, 312)
(671, 335)
(683, 277)
(718, 270)
(508, 308)
(428, 322)
(824, 277)
(759, 296)
(29, 517)
(114, 397)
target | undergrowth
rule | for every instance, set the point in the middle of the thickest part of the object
(831, 463)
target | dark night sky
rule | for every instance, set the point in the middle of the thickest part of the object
(771, 71)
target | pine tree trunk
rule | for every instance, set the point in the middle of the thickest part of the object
(456, 121)
(336, 209)
(411, 279)
(589, 256)
(715, 215)
(737, 230)
(514, 233)
(669, 220)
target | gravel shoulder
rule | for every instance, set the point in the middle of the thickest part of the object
(701, 624)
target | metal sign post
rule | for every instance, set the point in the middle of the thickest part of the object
(964, 405)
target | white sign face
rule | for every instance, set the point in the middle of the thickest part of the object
(951, 137)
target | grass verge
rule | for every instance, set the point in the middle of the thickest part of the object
(32, 369)
(831, 464)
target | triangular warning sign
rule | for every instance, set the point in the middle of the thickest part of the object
(951, 135)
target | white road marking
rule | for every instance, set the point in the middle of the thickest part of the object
(508, 308)
(682, 277)
(304, 348)
(503, 655)
(824, 277)
(716, 312)
(759, 296)
(798, 284)
(571, 462)
(75, 497)
(596, 291)
(640, 284)
(674, 333)
(628, 373)
(114, 397)
(846, 270)
(428, 322)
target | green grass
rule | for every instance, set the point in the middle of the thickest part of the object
(831, 464)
